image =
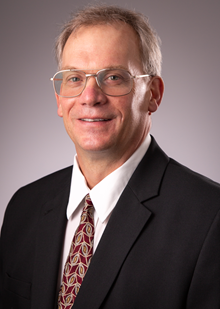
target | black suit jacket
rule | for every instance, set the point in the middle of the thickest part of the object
(160, 249)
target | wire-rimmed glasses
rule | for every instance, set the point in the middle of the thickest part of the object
(113, 82)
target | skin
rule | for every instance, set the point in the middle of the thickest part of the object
(103, 146)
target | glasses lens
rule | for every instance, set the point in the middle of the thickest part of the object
(69, 84)
(115, 82)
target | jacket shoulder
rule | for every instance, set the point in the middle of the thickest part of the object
(33, 195)
(190, 177)
(52, 182)
(191, 189)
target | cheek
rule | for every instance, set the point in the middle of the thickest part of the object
(129, 110)
(66, 107)
(141, 98)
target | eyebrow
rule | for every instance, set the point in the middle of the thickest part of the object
(108, 67)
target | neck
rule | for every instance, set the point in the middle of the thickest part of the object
(96, 169)
(95, 166)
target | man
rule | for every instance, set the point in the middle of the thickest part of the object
(153, 225)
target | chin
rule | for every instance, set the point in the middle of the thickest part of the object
(96, 146)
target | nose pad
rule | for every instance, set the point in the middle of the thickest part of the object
(92, 94)
(92, 81)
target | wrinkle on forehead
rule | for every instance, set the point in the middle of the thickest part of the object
(90, 43)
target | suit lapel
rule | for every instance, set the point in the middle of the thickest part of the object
(127, 221)
(49, 244)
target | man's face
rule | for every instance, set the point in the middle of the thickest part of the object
(124, 120)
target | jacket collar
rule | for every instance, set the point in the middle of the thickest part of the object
(49, 243)
(118, 238)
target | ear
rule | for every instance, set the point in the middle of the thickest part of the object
(156, 89)
(59, 106)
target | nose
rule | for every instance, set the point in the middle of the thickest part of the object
(92, 94)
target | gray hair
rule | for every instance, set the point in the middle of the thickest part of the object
(149, 42)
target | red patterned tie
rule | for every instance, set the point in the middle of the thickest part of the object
(79, 257)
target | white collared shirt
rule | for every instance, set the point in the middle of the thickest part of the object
(104, 197)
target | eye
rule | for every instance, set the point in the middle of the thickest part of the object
(74, 79)
(113, 77)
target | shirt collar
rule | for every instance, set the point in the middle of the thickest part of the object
(107, 192)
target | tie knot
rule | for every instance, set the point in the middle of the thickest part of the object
(88, 202)
(88, 209)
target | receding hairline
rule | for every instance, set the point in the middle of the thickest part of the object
(130, 35)
(113, 23)
(148, 40)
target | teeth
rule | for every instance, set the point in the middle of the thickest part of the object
(93, 120)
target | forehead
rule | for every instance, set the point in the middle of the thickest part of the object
(101, 46)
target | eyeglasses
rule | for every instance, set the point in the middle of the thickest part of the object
(113, 82)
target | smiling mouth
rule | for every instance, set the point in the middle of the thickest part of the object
(94, 120)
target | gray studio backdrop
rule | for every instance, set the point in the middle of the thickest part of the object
(33, 139)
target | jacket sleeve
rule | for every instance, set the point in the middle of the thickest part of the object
(2, 252)
(12, 291)
(204, 291)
